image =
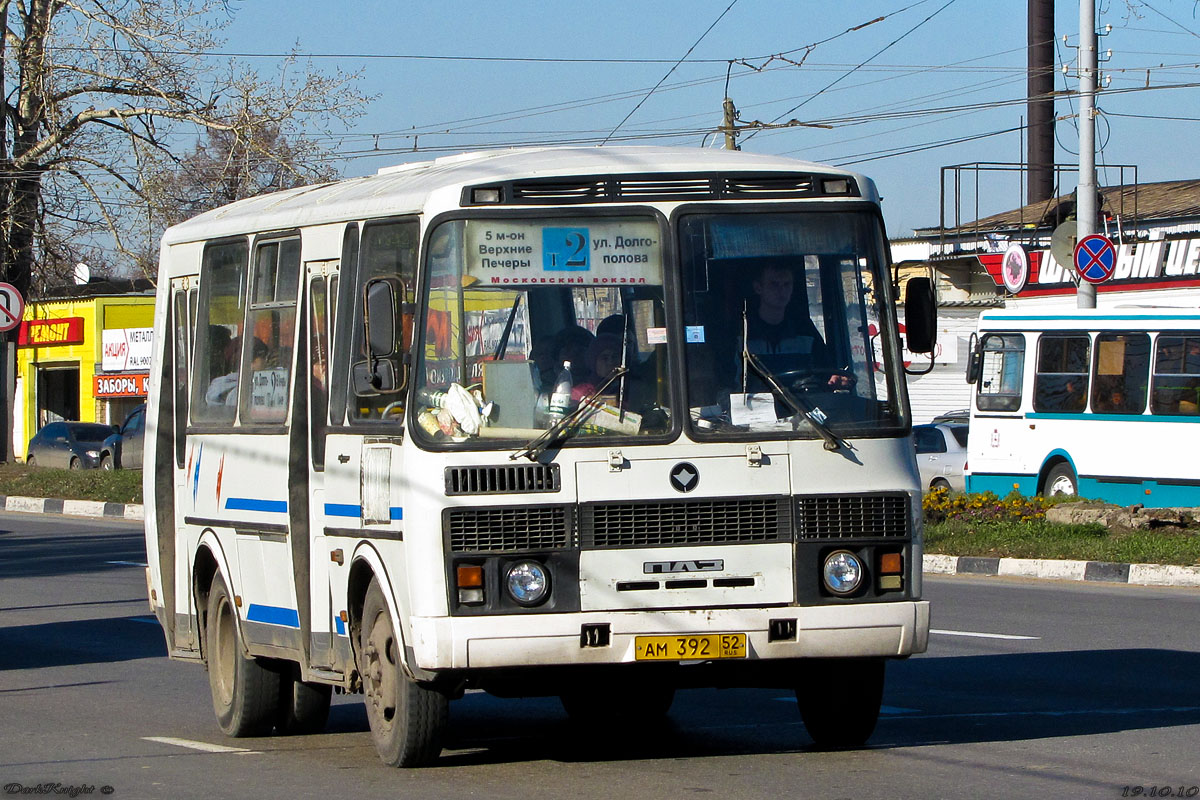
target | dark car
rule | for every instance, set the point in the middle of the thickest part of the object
(123, 449)
(75, 445)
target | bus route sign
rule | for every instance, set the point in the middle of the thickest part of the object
(1095, 258)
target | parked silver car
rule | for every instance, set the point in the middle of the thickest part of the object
(941, 454)
(123, 450)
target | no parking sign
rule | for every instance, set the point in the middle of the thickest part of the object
(1095, 258)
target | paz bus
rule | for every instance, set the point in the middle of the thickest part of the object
(1097, 403)
(491, 422)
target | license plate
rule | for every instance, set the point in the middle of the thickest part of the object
(685, 648)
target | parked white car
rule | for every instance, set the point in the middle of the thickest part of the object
(941, 454)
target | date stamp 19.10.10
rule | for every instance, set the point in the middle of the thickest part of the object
(1163, 790)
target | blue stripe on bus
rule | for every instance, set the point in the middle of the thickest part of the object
(1114, 417)
(1081, 318)
(254, 504)
(273, 615)
(342, 510)
(350, 510)
(1002, 485)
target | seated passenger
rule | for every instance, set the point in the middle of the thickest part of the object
(603, 356)
(785, 342)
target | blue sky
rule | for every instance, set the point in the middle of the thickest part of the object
(459, 74)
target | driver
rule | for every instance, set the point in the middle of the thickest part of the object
(785, 342)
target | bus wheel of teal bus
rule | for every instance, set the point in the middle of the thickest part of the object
(245, 691)
(1061, 480)
(839, 700)
(303, 707)
(597, 706)
(407, 720)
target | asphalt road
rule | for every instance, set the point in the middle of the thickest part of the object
(1029, 689)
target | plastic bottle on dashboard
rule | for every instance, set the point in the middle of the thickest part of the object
(560, 397)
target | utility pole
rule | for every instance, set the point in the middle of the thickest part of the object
(1085, 193)
(727, 124)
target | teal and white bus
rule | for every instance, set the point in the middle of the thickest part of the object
(489, 422)
(1099, 403)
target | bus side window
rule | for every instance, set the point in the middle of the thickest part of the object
(267, 363)
(319, 372)
(1061, 381)
(1122, 366)
(1002, 371)
(220, 320)
(1176, 382)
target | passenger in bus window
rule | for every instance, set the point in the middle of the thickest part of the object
(784, 338)
(223, 389)
(603, 356)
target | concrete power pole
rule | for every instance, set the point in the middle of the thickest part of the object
(1085, 201)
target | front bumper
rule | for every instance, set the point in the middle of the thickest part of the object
(889, 630)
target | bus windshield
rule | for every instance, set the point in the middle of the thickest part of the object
(782, 314)
(527, 318)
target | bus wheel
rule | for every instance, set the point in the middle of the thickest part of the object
(407, 720)
(839, 700)
(609, 705)
(245, 692)
(940, 483)
(303, 707)
(1061, 480)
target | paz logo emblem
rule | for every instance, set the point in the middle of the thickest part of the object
(684, 477)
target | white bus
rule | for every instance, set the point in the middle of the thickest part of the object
(487, 422)
(1099, 403)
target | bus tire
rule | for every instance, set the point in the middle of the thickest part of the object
(407, 720)
(303, 707)
(939, 483)
(245, 691)
(839, 700)
(612, 704)
(1061, 481)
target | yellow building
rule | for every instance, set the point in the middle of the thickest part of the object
(84, 356)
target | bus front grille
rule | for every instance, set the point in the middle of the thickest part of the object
(503, 479)
(508, 529)
(684, 522)
(856, 516)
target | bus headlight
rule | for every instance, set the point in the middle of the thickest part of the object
(527, 582)
(843, 572)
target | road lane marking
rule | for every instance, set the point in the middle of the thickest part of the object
(978, 635)
(194, 745)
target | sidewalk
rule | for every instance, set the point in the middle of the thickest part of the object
(1091, 571)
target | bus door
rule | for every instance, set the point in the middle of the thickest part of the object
(320, 293)
(175, 544)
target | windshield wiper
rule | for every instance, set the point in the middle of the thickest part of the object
(832, 440)
(565, 427)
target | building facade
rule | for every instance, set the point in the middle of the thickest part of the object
(83, 355)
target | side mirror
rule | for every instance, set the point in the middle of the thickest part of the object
(920, 315)
(974, 360)
(384, 370)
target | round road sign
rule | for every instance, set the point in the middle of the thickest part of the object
(12, 306)
(1095, 258)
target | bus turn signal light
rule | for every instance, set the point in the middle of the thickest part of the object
(890, 564)
(470, 584)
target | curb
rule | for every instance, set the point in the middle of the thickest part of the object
(75, 508)
(1091, 571)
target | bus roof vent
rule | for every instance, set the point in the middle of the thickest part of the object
(665, 186)
(503, 479)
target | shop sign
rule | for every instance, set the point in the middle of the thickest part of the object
(133, 385)
(126, 349)
(47, 332)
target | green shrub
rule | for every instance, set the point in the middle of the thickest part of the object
(118, 486)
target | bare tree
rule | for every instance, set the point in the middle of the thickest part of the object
(100, 96)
